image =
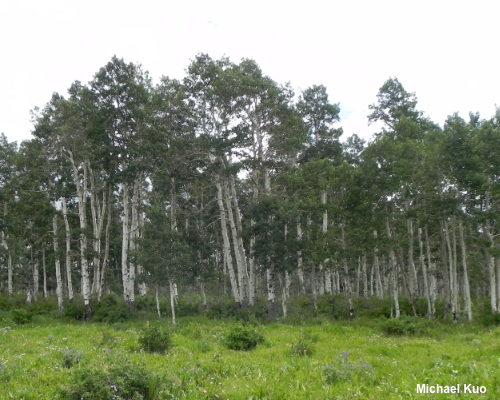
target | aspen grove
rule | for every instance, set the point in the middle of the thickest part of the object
(229, 183)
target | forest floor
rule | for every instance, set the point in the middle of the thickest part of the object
(320, 360)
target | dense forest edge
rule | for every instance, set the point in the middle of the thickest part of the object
(228, 195)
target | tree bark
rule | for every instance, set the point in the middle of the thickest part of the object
(240, 262)
(44, 267)
(57, 264)
(125, 244)
(393, 273)
(81, 186)
(226, 244)
(467, 299)
(69, 280)
(424, 273)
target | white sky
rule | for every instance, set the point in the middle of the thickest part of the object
(446, 52)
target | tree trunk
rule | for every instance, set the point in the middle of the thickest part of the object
(57, 264)
(240, 262)
(69, 280)
(271, 297)
(158, 310)
(226, 245)
(81, 186)
(365, 276)
(452, 274)
(379, 288)
(172, 299)
(36, 275)
(98, 211)
(412, 272)
(300, 272)
(125, 244)
(239, 230)
(44, 267)
(467, 299)
(432, 274)
(393, 273)
(106, 246)
(9, 261)
(134, 233)
(424, 273)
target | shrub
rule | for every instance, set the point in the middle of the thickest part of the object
(242, 337)
(123, 381)
(21, 316)
(302, 348)
(71, 358)
(404, 326)
(111, 310)
(74, 309)
(344, 370)
(155, 339)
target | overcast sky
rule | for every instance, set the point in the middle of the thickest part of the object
(446, 52)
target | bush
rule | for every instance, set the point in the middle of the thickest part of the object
(344, 370)
(111, 310)
(404, 326)
(123, 381)
(302, 348)
(71, 358)
(74, 309)
(21, 316)
(155, 339)
(242, 337)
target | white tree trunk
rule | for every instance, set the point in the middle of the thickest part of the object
(365, 276)
(239, 230)
(379, 288)
(172, 299)
(9, 262)
(432, 274)
(158, 310)
(125, 244)
(452, 276)
(58, 265)
(240, 260)
(271, 296)
(300, 272)
(394, 273)
(44, 267)
(106, 246)
(226, 245)
(424, 273)
(81, 187)
(69, 280)
(412, 272)
(467, 299)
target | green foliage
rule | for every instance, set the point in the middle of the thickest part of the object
(404, 326)
(124, 381)
(112, 310)
(74, 309)
(373, 307)
(155, 339)
(302, 348)
(225, 307)
(21, 316)
(490, 319)
(240, 337)
(344, 370)
(71, 358)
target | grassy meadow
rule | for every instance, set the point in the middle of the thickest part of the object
(317, 359)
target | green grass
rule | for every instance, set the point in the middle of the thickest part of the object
(351, 360)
